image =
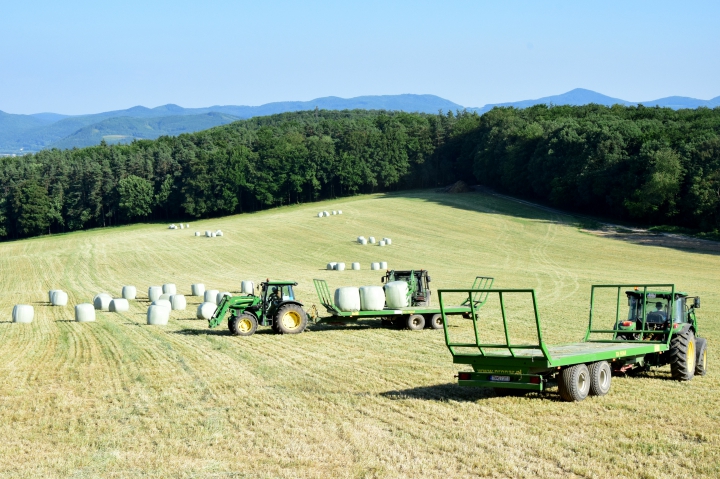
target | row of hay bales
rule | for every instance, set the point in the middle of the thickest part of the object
(339, 266)
(210, 234)
(327, 213)
(372, 298)
(181, 227)
(371, 240)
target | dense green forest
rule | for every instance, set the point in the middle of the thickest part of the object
(649, 165)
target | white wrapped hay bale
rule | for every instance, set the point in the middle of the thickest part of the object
(331, 266)
(247, 287)
(119, 305)
(363, 241)
(182, 226)
(220, 296)
(213, 234)
(396, 294)
(381, 243)
(206, 310)
(320, 215)
(23, 313)
(59, 298)
(360, 239)
(158, 315)
(371, 240)
(84, 313)
(211, 296)
(165, 296)
(197, 289)
(187, 225)
(178, 302)
(326, 213)
(356, 266)
(388, 241)
(340, 267)
(197, 233)
(339, 212)
(208, 233)
(383, 264)
(154, 293)
(129, 292)
(374, 265)
(169, 288)
(165, 303)
(102, 301)
(372, 298)
(347, 298)
(218, 233)
(50, 294)
(334, 212)
(172, 227)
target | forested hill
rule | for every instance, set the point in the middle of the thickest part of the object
(652, 165)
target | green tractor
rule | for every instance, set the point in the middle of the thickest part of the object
(418, 283)
(276, 306)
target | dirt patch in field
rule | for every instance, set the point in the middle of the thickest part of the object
(648, 238)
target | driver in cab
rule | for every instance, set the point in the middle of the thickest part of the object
(657, 316)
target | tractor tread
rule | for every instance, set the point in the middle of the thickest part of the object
(679, 345)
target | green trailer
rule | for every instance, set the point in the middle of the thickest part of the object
(415, 317)
(660, 328)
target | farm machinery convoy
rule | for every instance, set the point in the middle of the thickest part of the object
(660, 328)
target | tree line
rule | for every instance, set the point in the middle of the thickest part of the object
(653, 165)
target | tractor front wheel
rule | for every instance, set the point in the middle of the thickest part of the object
(415, 322)
(574, 384)
(243, 325)
(701, 359)
(435, 321)
(682, 356)
(290, 319)
(600, 378)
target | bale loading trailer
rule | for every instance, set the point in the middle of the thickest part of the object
(414, 317)
(634, 342)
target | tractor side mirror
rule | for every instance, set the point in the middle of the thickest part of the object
(696, 302)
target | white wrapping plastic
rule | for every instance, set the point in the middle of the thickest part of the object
(381, 243)
(363, 241)
(334, 212)
(374, 265)
(178, 302)
(320, 215)
(84, 313)
(206, 310)
(347, 298)
(59, 298)
(129, 292)
(371, 240)
(221, 295)
(197, 289)
(372, 298)
(154, 293)
(247, 287)
(218, 233)
(383, 264)
(197, 233)
(396, 294)
(158, 315)
(331, 265)
(388, 241)
(119, 305)
(165, 303)
(169, 288)
(360, 239)
(23, 313)
(102, 301)
(165, 296)
(211, 296)
(208, 233)
(50, 294)
(356, 266)
(339, 212)
(340, 267)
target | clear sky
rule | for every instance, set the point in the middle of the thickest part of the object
(89, 56)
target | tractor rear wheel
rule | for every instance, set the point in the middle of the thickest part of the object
(600, 378)
(574, 384)
(701, 359)
(243, 325)
(682, 356)
(435, 321)
(290, 319)
(415, 322)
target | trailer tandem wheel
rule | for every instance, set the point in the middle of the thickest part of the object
(600, 378)
(415, 322)
(574, 383)
(434, 321)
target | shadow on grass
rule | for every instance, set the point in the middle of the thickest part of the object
(453, 392)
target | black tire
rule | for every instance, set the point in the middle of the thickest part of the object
(574, 383)
(701, 359)
(290, 319)
(600, 378)
(415, 322)
(682, 356)
(243, 325)
(435, 321)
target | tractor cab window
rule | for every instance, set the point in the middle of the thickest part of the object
(287, 293)
(681, 310)
(657, 310)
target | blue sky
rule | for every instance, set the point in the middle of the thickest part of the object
(83, 57)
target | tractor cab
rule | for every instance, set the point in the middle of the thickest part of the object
(418, 284)
(658, 310)
(274, 294)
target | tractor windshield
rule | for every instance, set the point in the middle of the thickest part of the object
(657, 309)
(287, 293)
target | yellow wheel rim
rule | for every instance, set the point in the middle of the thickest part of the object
(245, 325)
(291, 320)
(691, 356)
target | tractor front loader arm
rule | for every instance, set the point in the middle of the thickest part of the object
(220, 312)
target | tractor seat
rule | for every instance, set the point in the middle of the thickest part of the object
(656, 317)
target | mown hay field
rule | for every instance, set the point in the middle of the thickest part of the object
(118, 398)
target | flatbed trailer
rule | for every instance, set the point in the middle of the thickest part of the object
(413, 317)
(581, 368)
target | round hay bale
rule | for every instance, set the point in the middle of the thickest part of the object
(247, 287)
(50, 294)
(84, 313)
(220, 296)
(197, 289)
(388, 241)
(360, 239)
(372, 298)
(374, 265)
(197, 233)
(102, 301)
(178, 302)
(23, 313)
(172, 227)
(213, 234)
(208, 233)
(371, 240)
(396, 294)
(356, 266)
(165, 296)
(381, 243)
(339, 212)
(320, 215)
(154, 293)
(206, 310)
(326, 213)
(347, 298)
(162, 302)
(334, 212)
(169, 288)
(340, 267)
(383, 264)
(129, 292)
(218, 233)
(187, 225)
(182, 226)
(119, 305)
(158, 315)
(211, 296)
(363, 241)
(59, 298)
(331, 266)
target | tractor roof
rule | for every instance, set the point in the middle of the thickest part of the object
(281, 283)
(653, 294)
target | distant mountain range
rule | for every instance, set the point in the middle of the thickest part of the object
(28, 133)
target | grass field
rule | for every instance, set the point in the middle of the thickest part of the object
(117, 398)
